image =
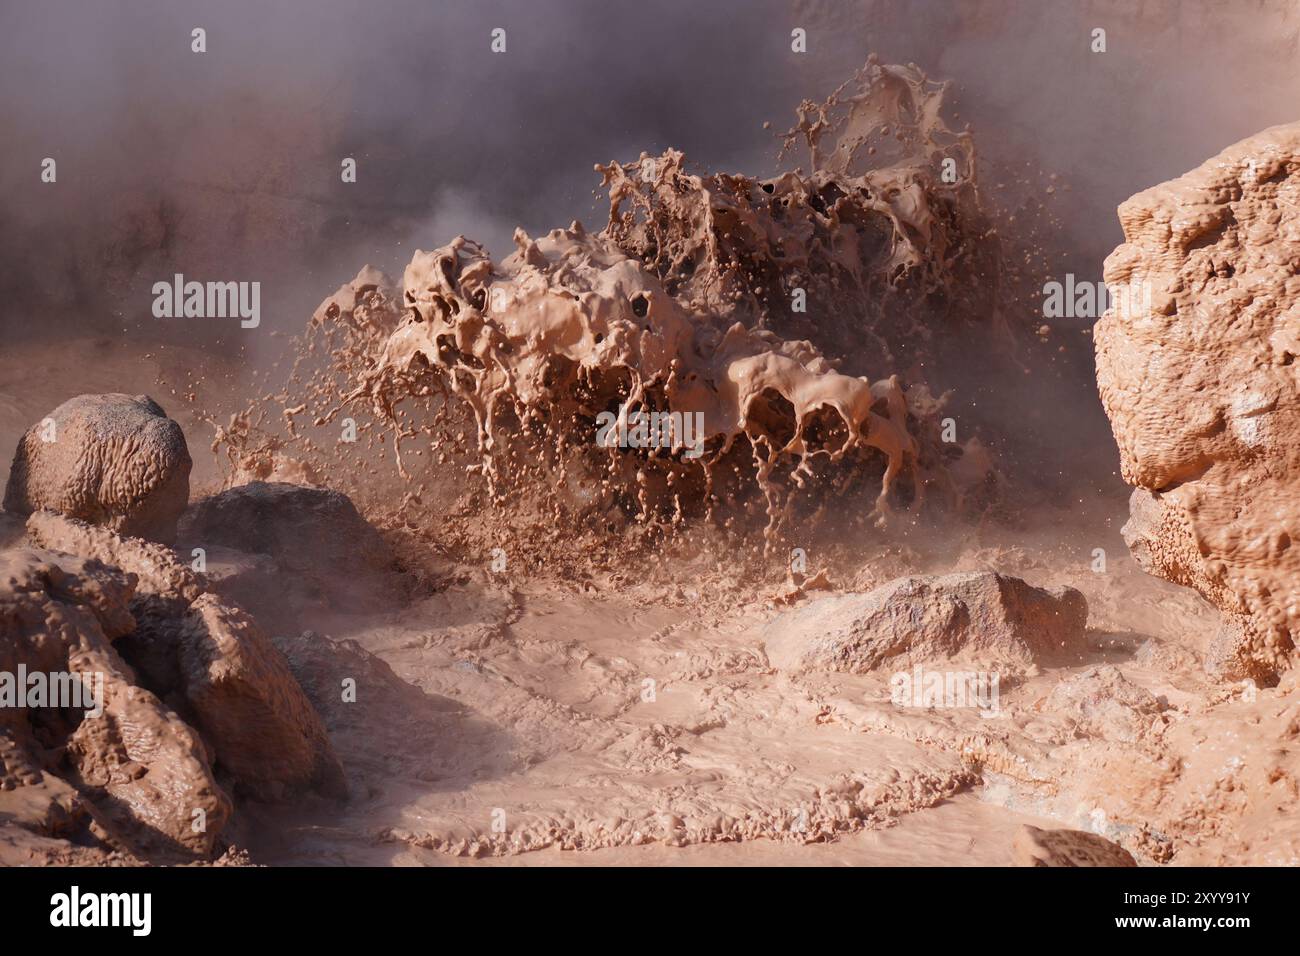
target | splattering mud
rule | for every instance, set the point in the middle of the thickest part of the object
(650, 374)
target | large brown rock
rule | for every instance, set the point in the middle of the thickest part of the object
(213, 662)
(133, 777)
(113, 460)
(1033, 846)
(1197, 372)
(971, 616)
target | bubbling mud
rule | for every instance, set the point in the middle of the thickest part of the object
(701, 298)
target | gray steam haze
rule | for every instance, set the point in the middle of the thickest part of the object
(225, 165)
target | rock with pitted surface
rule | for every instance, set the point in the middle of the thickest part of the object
(1197, 372)
(113, 460)
(1033, 846)
(978, 615)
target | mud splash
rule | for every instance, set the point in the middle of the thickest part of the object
(688, 308)
(886, 235)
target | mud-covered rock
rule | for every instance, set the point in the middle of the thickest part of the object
(324, 551)
(1196, 369)
(113, 460)
(122, 770)
(1033, 846)
(1103, 703)
(212, 661)
(979, 615)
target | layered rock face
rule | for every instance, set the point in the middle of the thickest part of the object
(114, 460)
(1196, 369)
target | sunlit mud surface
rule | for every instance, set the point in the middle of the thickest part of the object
(563, 742)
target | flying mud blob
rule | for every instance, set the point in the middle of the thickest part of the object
(885, 240)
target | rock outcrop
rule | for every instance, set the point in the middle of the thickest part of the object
(112, 460)
(320, 550)
(972, 616)
(1036, 847)
(122, 770)
(213, 662)
(1196, 369)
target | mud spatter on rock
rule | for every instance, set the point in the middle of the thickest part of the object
(212, 662)
(132, 778)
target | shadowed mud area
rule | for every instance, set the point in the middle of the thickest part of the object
(768, 505)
